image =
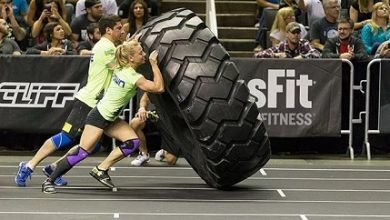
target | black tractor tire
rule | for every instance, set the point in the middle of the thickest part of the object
(205, 111)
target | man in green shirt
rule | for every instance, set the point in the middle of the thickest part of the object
(99, 78)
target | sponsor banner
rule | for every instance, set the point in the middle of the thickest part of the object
(36, 93)
(295, 98)
(384, 112)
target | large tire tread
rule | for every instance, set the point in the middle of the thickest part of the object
(222, 138)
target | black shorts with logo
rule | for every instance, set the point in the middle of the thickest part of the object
(75, 122)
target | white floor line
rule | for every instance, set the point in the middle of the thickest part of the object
(303, 217)
(189, 168)
(263, 172)
(195, 200)
(117, 167)
(206, 188)
(198, 214)
(281, 193)
(325, 169)
(196, 177)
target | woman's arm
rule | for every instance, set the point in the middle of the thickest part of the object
(63, 23)
(157, 85)
(38, 25)
(31, 13)
(353, 14)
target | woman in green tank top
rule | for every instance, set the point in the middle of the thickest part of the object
(104, 117)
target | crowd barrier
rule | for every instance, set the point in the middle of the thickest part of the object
(296, 98)
(383, 112)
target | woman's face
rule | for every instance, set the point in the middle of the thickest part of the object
(139, 56)
(58, 33)
(138, 10)
(383, 11)
(289, 18)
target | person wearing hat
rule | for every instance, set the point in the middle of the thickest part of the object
(110, 7)
(293, 47)
(94, 9)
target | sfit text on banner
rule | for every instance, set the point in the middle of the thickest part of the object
(296, 98)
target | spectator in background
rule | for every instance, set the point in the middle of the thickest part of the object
(152, 6)
(314, 9)
(7, 45)
(37, 7)
(79, 24)
(70, 9)
(345, 46)
(137, 17)
(326, 27)
(85, 47)
(20, 8)
(138, 123)
(50, 13)
(17, 23)
(377, 30)
(109, 7)
(283, 17)
(261, 33)
(148, 119)
(360, 12)
(293, 47)
(55, 43)
(383, 50)
(291, 3)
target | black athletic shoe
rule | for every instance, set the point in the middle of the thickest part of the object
(48, 187)
(102, 176)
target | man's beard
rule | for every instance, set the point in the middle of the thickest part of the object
(97, 17)
(345, 38)
(4, 31)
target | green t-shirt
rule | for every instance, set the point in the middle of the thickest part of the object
(99, 73)
(119, 93)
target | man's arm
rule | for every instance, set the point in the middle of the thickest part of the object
(315, 35)
(308, 51)
(19, 32)
(359, 50)
(329, 50)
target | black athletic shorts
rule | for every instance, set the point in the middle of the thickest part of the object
(94, 118)
(74, 124)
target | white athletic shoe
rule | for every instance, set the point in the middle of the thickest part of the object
(159, 155)
(140, 160)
